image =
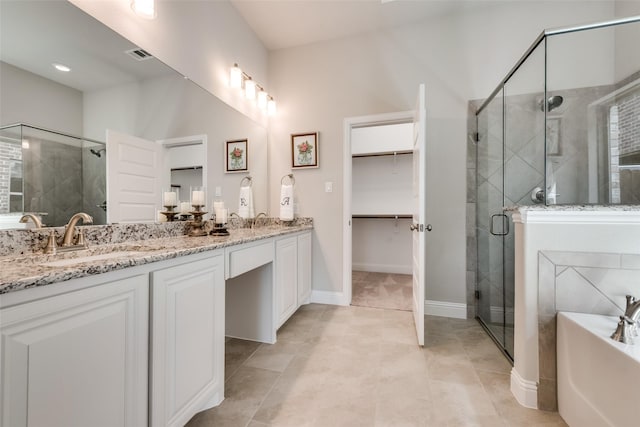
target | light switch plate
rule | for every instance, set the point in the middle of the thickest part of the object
(218, 191)
(328, 187)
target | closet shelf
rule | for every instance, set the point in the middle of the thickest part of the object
(390, 153)
(382, 216)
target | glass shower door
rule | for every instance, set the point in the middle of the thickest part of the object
(491, 222)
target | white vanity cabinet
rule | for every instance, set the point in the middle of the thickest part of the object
(77, 359)
(292, 274)
(187, 339)
(286, 278)
(304, 268)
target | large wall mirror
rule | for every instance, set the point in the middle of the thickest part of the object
(54, 123)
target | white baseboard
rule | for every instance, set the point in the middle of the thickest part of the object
(328, 297)
(383, 268)
(525, 392)
(445, 309)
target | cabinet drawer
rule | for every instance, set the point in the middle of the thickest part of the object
(246, 258)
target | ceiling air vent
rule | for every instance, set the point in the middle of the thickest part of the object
(139, 54)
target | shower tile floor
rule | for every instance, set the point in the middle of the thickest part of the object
(382, 290)
(358, 366)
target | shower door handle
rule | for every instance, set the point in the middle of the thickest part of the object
(505, 225)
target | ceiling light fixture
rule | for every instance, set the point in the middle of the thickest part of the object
(144, 8)
(240, 80)
(61, 67)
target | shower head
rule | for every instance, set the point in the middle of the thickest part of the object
(553, 102)
(97, 152)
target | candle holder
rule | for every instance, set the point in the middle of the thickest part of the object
(169, 212)
(197, 224)
(219, 230)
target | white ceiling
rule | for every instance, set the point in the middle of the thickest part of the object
(288, 23)
(35, 34)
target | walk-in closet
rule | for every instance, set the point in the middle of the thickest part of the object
(382, 170)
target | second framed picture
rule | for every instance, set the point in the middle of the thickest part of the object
(237, 156)
(304, 150)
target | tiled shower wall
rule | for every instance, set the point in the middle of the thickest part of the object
(53, 180)
(472, 248)
(94, 185)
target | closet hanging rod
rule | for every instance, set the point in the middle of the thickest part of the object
(393, 153)
(187, 168)
(382, 216)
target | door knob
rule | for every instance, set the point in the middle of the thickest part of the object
(429, 227)
(413, 227)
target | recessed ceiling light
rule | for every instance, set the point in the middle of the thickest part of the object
(61, 67)
(144, 8)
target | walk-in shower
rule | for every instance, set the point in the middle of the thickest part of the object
(51, 173)
(563, 127)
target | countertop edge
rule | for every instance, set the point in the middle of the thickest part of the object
(31, 273)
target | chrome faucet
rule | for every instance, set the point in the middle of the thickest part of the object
(36, 220)
(628, 325)
(69, 232)
(241, 221)
(255, 220)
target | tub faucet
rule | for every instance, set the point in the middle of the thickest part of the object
(628, 325)
(633, 308)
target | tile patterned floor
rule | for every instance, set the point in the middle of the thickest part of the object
(355, 366)
(382, 290)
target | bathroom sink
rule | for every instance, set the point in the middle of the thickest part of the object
(90, 258)
(99, 253)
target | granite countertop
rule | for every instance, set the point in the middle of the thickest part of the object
(573, 208)
(30, 270)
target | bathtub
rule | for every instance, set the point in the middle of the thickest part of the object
(598, 378)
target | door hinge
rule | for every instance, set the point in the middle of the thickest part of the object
(477, 294)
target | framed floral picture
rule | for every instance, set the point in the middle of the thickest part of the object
(304, 150)
(236, 158)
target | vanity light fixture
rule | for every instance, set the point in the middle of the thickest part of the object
(235, 76)
(271, 107)
(250, 89)
(61, 67)
(241, 80)
(263, 97)
(144, 8)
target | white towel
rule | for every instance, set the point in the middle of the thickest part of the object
(245, 204)
(286, 202)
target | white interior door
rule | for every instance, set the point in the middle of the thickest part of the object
(134, 167)
(419, 210)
